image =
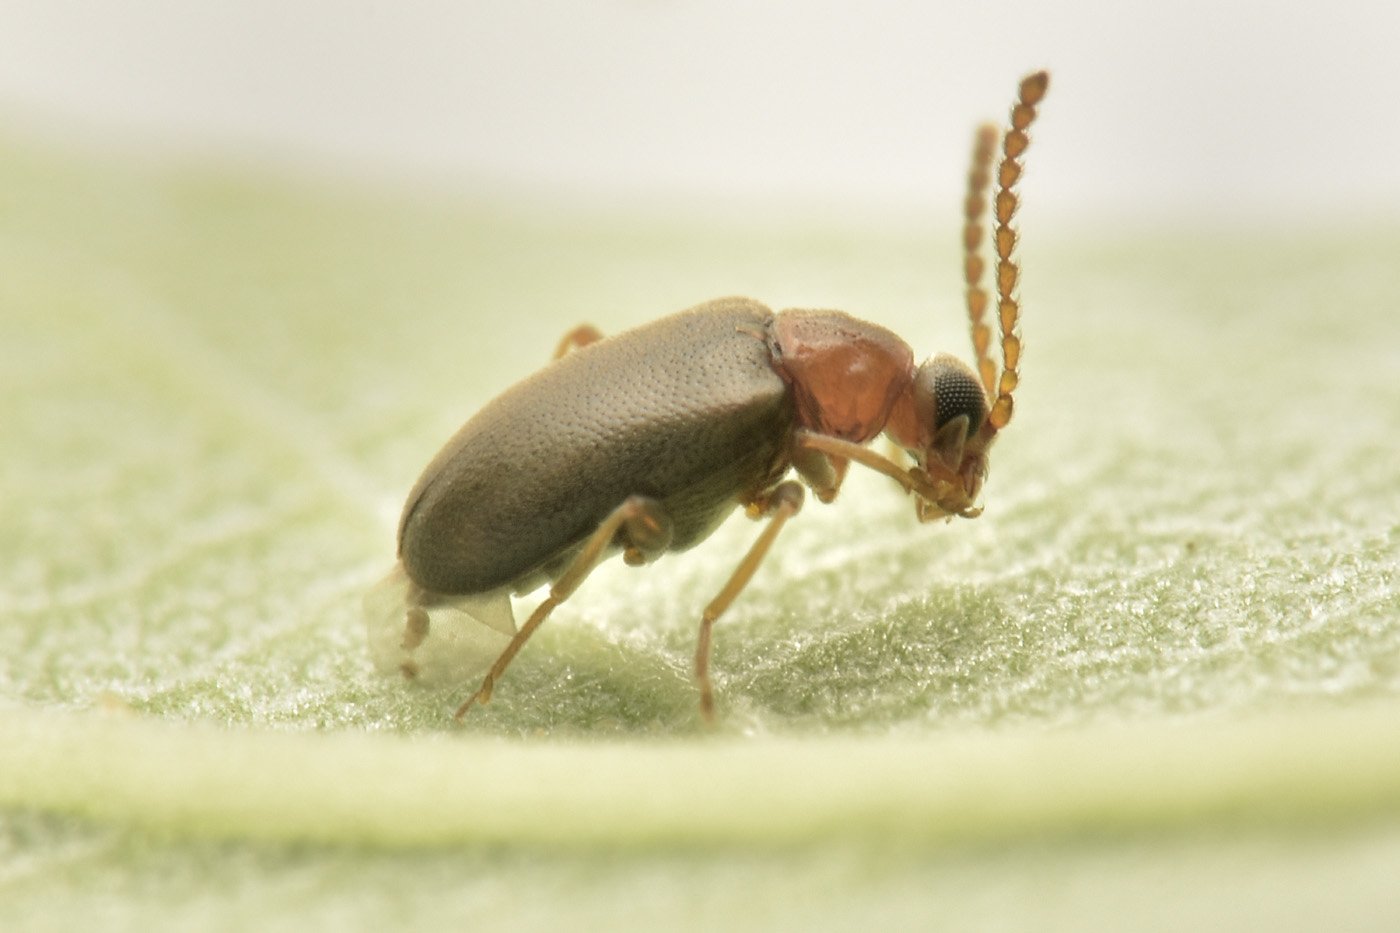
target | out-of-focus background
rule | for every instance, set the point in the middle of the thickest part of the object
(1243, 112)
(258, 260)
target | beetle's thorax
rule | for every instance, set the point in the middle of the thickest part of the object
(846, 374)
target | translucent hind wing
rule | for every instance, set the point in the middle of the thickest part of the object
(444, 642)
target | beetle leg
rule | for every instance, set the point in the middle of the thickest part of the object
(580, 336)
(645, 528)
(821, 471)
(927, 482)
(937, 489)
(782, 503)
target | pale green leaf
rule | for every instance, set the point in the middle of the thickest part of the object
(1157, 676)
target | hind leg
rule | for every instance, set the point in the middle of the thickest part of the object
(643, 528)
(580, 336)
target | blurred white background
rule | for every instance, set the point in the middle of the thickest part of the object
(1195, 111)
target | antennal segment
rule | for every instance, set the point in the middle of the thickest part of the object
(979, 178)
(1013, 146)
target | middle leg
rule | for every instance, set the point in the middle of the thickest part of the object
(783, 503)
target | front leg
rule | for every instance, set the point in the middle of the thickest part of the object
(810, 449)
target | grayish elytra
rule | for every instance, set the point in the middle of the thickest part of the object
(644, 442)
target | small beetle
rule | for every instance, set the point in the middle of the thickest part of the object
(645, 442)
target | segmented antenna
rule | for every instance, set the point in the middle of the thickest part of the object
(1013, 146)
(979, 177)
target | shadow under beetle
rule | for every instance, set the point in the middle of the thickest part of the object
(646, 441)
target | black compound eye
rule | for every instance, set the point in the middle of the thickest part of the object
(956, 391)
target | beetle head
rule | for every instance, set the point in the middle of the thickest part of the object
(952, 413)
(945, 429)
